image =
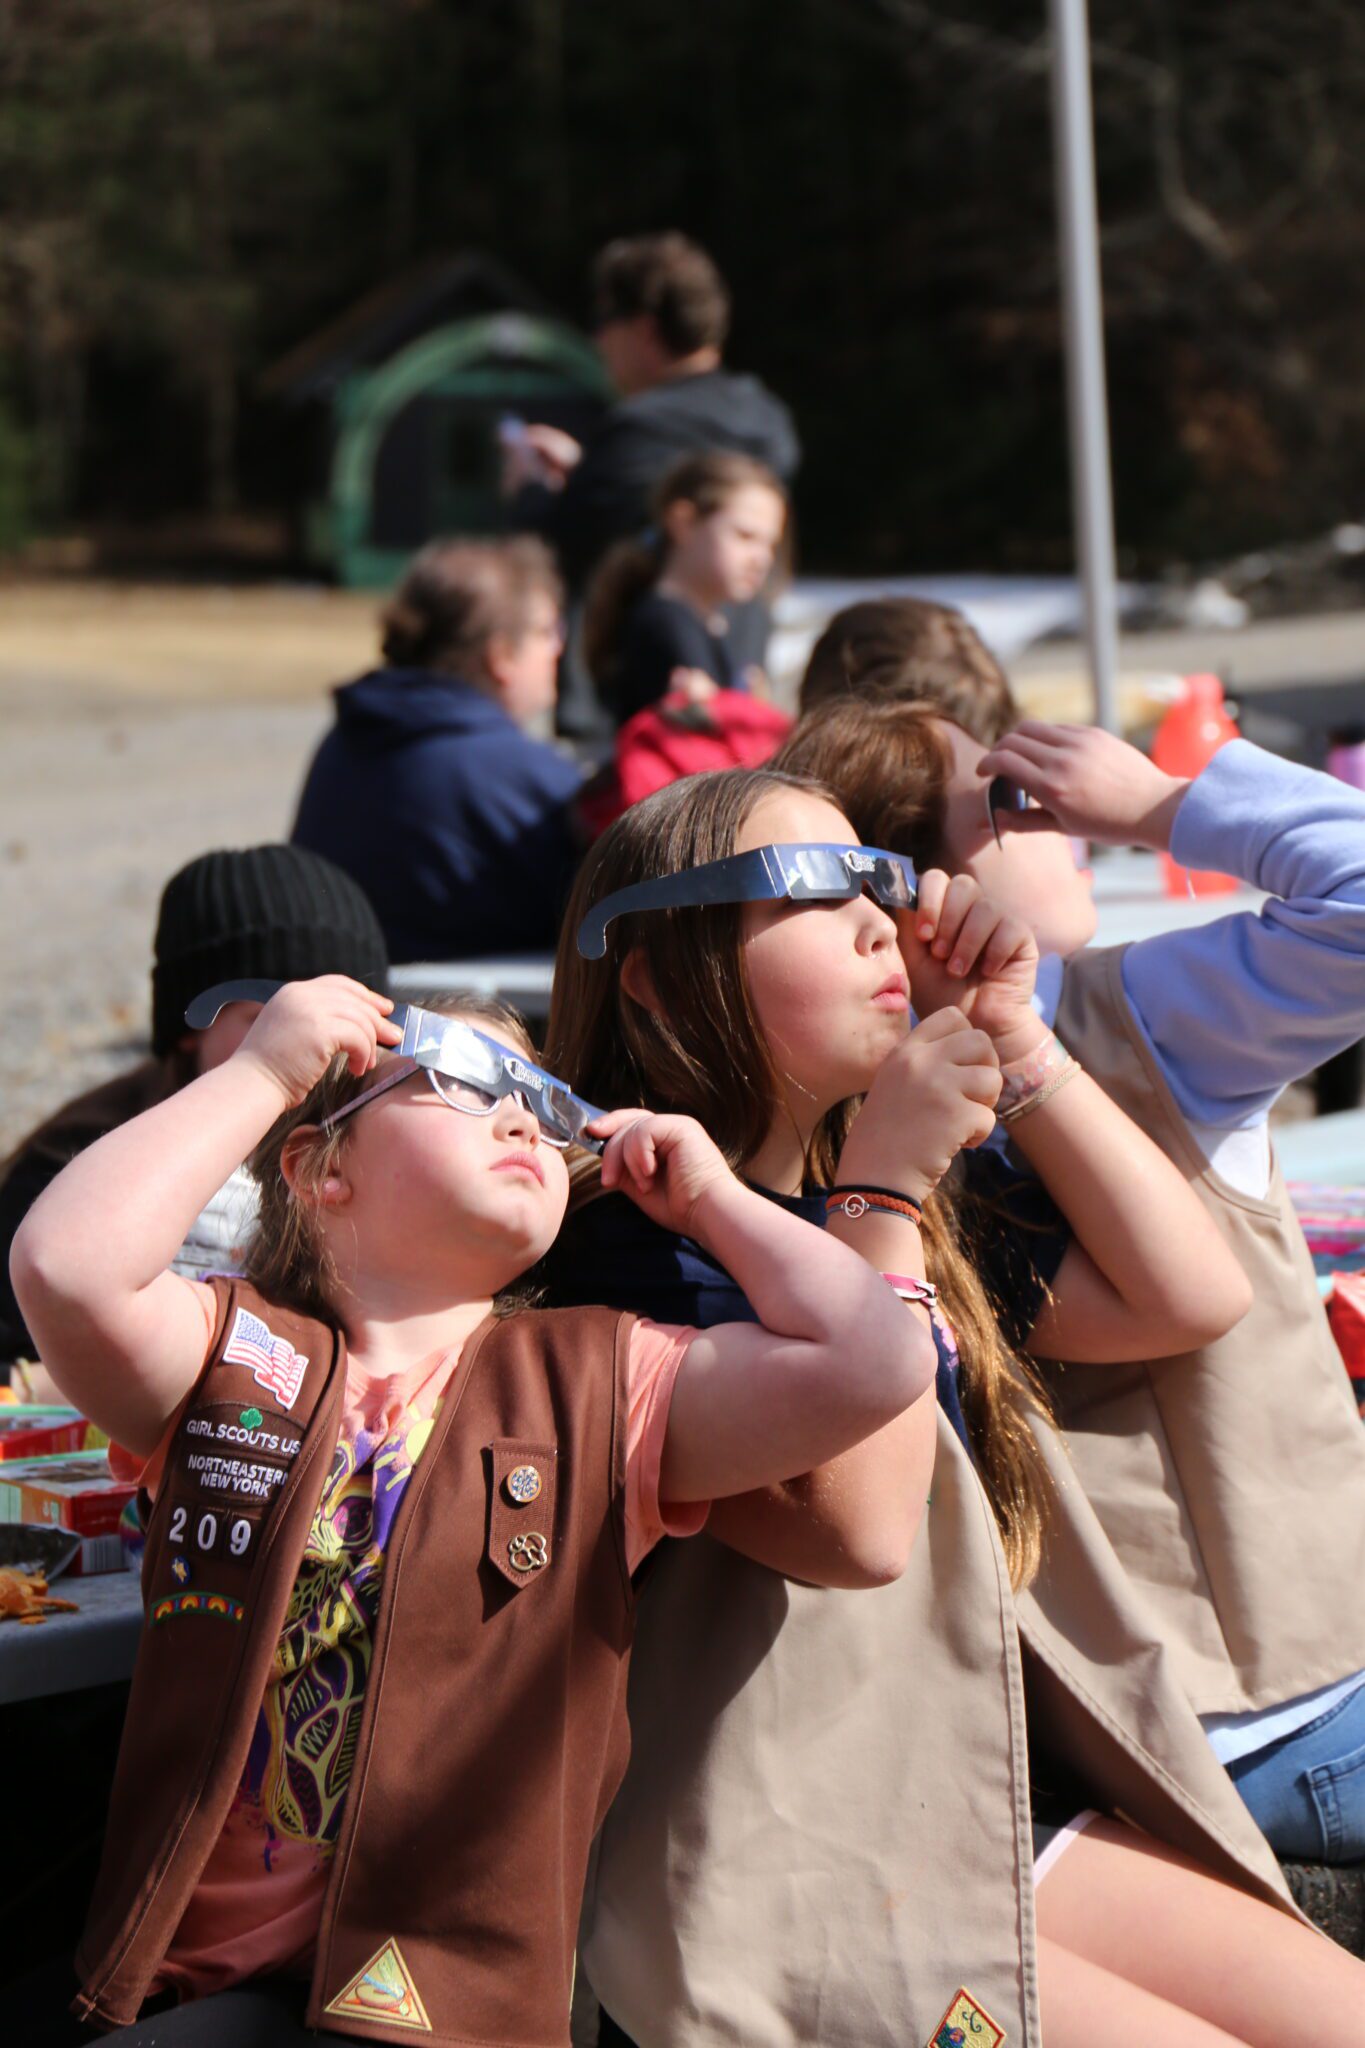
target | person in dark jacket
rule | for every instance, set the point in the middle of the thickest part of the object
(661, 314)
(457, 823)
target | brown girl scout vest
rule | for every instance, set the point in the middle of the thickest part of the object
(824, 1833)
(1231, 1481)
(493, 1729)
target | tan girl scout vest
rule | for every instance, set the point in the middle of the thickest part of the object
(493, 1730)
(824, 1834)
(1231, 1481)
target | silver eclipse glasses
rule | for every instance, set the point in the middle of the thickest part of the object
(811, 873)
(468, 1070)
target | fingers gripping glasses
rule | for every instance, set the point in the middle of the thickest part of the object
(818, 873)
(469, 1071)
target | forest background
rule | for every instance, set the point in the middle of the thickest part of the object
(189, 187)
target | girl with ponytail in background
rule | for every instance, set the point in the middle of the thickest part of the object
(656, 618)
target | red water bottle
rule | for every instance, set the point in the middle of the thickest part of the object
(1187, 739)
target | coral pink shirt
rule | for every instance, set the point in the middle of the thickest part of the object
(256, 1908)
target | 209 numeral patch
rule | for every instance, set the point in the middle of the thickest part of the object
(209, 1533)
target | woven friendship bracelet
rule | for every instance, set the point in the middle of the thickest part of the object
(1040, 1095)
(1034, 1102)
(855, 1202)
(1025, 1079)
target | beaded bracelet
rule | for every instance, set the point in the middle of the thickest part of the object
(911, 1289)
(1030, 1081)
(855, 1202)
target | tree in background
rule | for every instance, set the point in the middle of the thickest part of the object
(187, 187)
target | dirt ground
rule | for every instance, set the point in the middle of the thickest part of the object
(139, 729)
(142, 726)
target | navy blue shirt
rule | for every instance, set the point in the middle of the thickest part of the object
(661, 634)
(456, 824)
(610, 1253)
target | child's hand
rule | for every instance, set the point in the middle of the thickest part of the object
(933, 1097)
(666, 1164)
(307, 1023)
(694, 684)
(961, 951)
(1089, 784)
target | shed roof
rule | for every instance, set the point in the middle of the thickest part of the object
(375, 327)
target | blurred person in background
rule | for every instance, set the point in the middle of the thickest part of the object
(656, 617)
(661, 317)
(269, 912)
(915, 651)
(430, 790)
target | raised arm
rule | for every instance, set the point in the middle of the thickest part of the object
(1236, 1009)
(833, 1358)
(851, 1520)
(122, 1336)
(1147, 1274)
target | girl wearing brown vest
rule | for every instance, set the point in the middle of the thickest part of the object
(379, 1703)
(1231, 1479)
(824, 1834)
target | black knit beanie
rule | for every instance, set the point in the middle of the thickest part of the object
(271, 911)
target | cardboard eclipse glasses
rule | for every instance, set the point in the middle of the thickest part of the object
(469, 1071)
(1004, 796)
(812, 873)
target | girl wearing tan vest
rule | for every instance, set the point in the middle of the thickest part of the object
(378, 1709)
(1230, 1479)
(824, 1835)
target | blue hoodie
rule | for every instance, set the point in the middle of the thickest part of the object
(454, 822)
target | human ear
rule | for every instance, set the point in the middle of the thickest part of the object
(333, 1190)
(498, 657)
(638, 982)
(679, 521)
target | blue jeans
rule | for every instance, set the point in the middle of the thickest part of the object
(1306, 1792)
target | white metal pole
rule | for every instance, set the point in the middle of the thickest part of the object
(1087, 409)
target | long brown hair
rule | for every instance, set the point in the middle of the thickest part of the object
(287, 1260)
(632, 567)
(703, 1054)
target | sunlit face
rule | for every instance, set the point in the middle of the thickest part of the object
(728, 554)
(429, 1189)
(223, 1036)
(827, 982)
(1031, 874)
(526, 669)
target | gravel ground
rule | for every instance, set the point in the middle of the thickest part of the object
(143, 726)
(101, 798)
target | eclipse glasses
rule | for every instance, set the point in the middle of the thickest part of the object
(819, 873)
(468, 1070)
(1005, 796)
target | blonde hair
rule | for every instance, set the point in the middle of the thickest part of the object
(288, 1261)
(703, 1054)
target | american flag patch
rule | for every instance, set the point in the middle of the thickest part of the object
(275, 1364)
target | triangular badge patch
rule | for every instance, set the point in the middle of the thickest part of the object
(384, 1991)
(966, 2025)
